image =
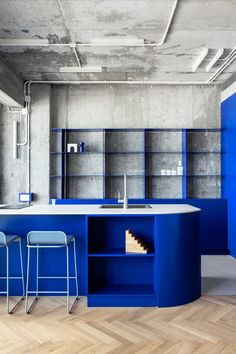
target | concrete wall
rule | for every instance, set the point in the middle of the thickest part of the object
(13, 176)
(14, 172)
(96, 106)
(100, 106)
(11, 83)
(40, 142)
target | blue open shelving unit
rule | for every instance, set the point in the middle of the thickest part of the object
(145, 152)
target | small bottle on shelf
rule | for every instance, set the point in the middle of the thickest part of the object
(180, 169)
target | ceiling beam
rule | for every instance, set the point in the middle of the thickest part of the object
(214, 59)
(199, 60)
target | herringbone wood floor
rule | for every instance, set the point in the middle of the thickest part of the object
(206, 326)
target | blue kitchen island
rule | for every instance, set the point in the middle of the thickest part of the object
(168, 275)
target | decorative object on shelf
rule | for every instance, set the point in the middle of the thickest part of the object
(173, 172)
(168, 172)
(163, 172)
(72, 148)
(133, 244)
(180, 169)
(81, 146)
(53, 201)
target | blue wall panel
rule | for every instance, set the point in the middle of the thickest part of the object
(228, 116)
(51, 261)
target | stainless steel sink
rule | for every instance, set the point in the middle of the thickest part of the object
(120, 206)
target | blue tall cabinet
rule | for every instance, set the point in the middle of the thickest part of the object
(228, 114)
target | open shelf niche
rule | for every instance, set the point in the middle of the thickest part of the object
(203, 149)
(124, 153)
(111, 271)
(77, 175)
(163, 150)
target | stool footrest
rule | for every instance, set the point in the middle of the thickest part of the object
(12, 278)
(46, 292)
(56, 277)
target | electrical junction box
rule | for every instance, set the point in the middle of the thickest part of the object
(25, 197)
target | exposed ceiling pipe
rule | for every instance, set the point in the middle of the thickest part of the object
(231, 57)
(73, 46)
(79, 68)
(169, 23)
(44, 42)
(111, 82)
(15, 42)
(110, 44)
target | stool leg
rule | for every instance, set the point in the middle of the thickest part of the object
(28, 310)
(7, 260)
(37, 273)
(22, 271)
(70, 309)
(76, 275)
(22, 277)
(27, 281)
(67, 279)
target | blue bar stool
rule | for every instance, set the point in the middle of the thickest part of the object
(50, 239)
(6, 241)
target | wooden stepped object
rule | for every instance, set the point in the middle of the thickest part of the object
(133, 244)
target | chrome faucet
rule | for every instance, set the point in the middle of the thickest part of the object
(125, 198)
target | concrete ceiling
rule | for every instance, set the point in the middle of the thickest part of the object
(197, 24)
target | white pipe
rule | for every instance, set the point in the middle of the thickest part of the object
(169, 23)
(44, 42)
(94, 44)
(138, 44)
(231, 58)
(14, 152)
(77, 57)
(226, 58)
(129, 82)
(223, 68)
(28, 104)
(121, 82)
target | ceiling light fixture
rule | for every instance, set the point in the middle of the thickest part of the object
(77, 69)
(110, 41)
(200, 58)
(214, 59)
(24, 42)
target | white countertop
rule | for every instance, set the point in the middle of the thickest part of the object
(89, 209)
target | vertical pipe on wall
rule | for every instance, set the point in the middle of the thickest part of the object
(28, 105)
(14, 155)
